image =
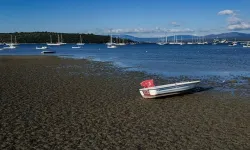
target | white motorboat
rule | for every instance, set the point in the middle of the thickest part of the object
(81, 43)
(111, 46)
(151, 91)
(232, 44)
(48, 52)
(76, 47)
(43, 47)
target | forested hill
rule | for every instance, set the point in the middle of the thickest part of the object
(44, 37)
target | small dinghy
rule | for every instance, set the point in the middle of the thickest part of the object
(43, 47)
(152, 91)
(48, 52)
(75, 47)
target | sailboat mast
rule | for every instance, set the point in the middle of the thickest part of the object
(110, 38)
(50, 38)
(58, 38)
(80, 38)
(10, 38)
(61, 38)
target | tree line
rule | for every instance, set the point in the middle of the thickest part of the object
(44, 37)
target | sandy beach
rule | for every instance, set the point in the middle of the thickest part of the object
(57, 103)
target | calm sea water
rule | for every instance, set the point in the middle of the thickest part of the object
(168, 60)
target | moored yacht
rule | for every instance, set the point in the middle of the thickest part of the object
(247, 45)
(54, 44)
(111, 45)
(80, 41)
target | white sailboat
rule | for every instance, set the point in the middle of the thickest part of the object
(165, 42)
(16, 42)
(80, 41)
(111, 45)
(120, 43)
(174, 41)
(190, 43)
(10, 45)
(247, 45)
(62, 43)
(54, 44)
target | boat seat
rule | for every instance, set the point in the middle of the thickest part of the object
(147, 83)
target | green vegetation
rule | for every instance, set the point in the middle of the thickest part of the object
(44, 37)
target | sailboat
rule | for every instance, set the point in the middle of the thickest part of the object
(120, 43)
(174, 41)
(111, 45)
(163, 43)
(10, 45)
(190, 43)
(247, 45)
(15, 42)
(54, 44)
(62, 43)
(80, 41)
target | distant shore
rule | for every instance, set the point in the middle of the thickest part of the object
(57, 103)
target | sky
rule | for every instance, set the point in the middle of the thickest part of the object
(141, 18)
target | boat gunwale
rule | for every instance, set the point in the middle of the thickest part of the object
(169, 85)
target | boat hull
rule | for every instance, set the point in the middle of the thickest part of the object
(77, 47)
(80, 44)
(48, 52)
(53, 44)
(44, 47)
(111, 46)
(166, 90)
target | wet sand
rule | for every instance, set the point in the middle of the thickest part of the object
(54, 103)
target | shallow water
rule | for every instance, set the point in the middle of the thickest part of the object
(168, 60)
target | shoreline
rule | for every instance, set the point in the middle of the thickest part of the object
(51, 102)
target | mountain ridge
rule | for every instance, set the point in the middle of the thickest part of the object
(231, 36)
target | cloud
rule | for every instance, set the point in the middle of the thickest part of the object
(239, 26)
(186, 30)
(234, 22)
(175, 24)
(226, 12)
(148, 31)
